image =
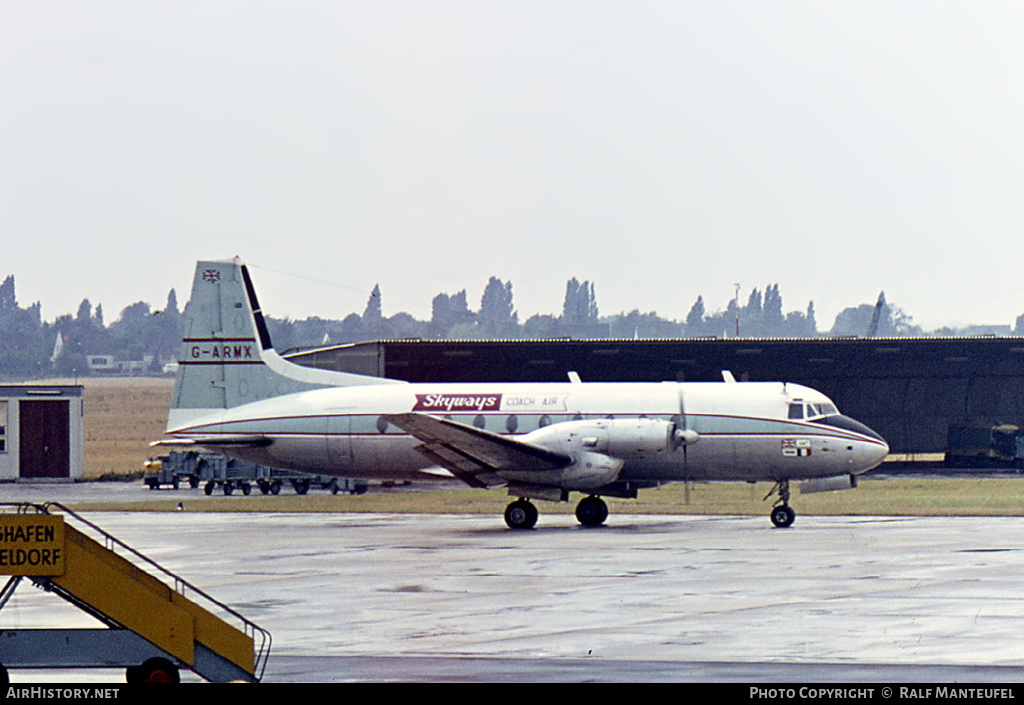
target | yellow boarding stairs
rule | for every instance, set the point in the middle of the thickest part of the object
(151, 629)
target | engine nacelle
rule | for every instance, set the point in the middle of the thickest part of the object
(628, 439)
(599, 448)
(590, 471)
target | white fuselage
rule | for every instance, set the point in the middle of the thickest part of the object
(745, 431)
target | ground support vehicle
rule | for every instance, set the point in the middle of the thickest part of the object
(985, 445)
(214, 471)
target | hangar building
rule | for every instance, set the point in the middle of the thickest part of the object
(910, 390)
(41, 432)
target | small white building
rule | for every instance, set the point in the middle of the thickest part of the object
(101, 363)
(41, 434)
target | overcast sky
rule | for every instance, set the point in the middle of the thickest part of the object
(659, 149)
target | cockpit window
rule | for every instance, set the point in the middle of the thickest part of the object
(807, 410)
(818, 410)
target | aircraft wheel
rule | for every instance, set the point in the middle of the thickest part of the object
(521, 514)
(154, 670)
(275, 487)
(783, 516)
(209, 488)
(591, 511)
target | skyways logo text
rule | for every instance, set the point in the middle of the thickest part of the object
(454, 403)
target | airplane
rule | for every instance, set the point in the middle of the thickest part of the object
(236, 395)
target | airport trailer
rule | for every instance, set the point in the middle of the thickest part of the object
(213, 471)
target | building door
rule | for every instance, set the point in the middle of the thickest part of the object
(44, 438)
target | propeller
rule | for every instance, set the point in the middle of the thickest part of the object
(682, 436)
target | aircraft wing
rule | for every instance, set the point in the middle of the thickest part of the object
(471, 454)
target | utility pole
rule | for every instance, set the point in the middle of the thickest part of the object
(736, 308)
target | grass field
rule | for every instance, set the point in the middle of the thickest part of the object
(882, 497)
(122, 416)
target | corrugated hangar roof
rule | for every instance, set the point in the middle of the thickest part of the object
(908, 389)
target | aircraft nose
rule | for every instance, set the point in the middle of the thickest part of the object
(877, 454)
(879, 449)
(871, 451)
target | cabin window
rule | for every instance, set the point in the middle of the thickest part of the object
(796, 411)
(382, 424)
(3, 426)
(512, 423)
(480, 421)
(545, 420)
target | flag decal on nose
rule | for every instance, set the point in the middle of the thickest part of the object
(796, 447)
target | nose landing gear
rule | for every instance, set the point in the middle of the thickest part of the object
(782, 515)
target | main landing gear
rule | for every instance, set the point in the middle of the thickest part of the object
(782, 515)
(591, 511)
(521, 514)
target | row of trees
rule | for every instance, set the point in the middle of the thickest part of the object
(30, 346)
(762, 317)
(452, 317)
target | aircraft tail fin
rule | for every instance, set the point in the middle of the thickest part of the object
(227, 358)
